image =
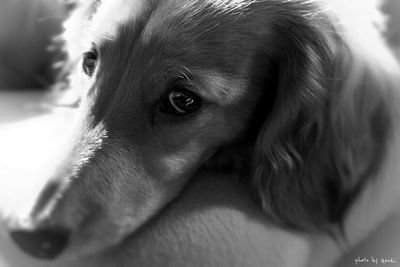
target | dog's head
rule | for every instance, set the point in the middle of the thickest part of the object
(170, 86)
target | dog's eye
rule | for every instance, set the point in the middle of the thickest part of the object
(180, 101)
(89, 62)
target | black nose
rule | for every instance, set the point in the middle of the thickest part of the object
(43, 244)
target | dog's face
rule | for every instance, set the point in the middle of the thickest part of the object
(168, 86)
(162, 91)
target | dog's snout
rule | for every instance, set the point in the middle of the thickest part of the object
(43, 243)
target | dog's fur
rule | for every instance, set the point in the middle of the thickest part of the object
(296, 97)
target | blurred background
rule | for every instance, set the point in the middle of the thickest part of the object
(28, 49)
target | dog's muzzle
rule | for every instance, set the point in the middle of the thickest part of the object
(43, 243)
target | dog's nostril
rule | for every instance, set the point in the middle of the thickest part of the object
(43, 244)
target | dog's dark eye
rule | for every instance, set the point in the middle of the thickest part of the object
(180, 101)
(89, 62)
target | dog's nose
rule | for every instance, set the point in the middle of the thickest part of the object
(43, 244)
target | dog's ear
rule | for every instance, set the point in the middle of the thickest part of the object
(76, 25)
(71, 45)
(323, 136)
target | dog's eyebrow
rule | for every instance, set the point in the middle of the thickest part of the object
(220, 88)
(185, 73)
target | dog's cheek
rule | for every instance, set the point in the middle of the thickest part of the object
(181, 150)
(175, 167)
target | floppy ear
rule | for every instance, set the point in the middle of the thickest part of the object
(324, 136)
(76, 26)
(72, 44)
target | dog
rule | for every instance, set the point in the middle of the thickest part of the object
(295, 96)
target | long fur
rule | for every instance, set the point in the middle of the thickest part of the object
(327, 135)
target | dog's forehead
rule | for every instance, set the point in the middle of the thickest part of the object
(200, 32)
(111, 14)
